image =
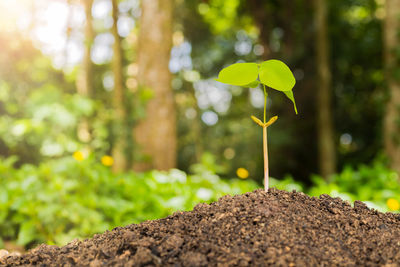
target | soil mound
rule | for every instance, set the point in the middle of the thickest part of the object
(255, 229)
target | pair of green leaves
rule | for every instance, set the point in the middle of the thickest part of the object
(272, 73)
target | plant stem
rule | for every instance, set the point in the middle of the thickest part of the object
(265, 149)
(265, 144)
(265, 103)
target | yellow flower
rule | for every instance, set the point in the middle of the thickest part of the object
(78, 155)
(107, 160)
(393, 204)
(242, 173)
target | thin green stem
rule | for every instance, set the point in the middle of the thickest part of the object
(265, 150)
(265, 144)
(265, 103)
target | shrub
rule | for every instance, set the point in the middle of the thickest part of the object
(374, 184)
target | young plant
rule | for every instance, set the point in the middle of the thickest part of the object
(271, 73)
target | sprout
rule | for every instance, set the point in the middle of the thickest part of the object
(271, 73)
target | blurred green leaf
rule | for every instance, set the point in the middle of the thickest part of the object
(373, 183)
(26, 233)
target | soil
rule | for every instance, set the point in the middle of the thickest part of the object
(255, 229)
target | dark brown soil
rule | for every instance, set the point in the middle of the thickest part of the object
(255, 229)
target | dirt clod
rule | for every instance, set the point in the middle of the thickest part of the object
(255, 229)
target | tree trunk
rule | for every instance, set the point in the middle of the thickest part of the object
(326, 144)
(84, 82)
(156, 133)
(391, 60)
(262, 18)
(68, 31)
(118, 150)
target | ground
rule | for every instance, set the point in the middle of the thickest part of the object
(255, 229)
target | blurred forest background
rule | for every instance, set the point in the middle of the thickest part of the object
(110, 114)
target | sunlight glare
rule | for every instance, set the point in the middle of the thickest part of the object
(10, 11)
(46, 23)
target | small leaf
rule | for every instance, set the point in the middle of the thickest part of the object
(277, 75)
(26, 233)
(240, 74)
(257, 120)
(271, 121)
(290, 95)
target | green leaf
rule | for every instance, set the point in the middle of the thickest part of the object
(239, 74)
(252, 85)
(277, 75)
(26, 233)
(289, 94)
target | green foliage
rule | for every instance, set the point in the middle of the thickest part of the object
(222, 15)
(40, 108)
(64, 199)
(272, 73)
(374, 184)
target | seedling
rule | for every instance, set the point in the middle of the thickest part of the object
(271, 73)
